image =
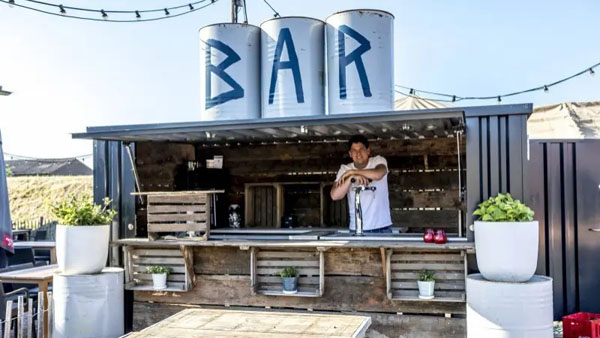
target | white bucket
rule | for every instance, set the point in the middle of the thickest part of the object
(229, 72)
(503, 310)
(360, 61)
(293, 67)
(89, 305)
(507, 251)
(82, 249)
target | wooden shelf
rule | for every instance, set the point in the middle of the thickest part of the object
(265, 265)
(402, 273)
(178, 260)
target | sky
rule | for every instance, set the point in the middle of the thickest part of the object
(68, 74)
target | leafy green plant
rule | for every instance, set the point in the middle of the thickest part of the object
(426, 276)
(503, 208)
(158, 269)
(8, 170)
(288, 272)
(82, 211)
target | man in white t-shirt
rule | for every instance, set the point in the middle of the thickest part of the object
(375, 205)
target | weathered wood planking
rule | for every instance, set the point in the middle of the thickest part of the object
(403, 269)
(422, 175)
(179, 261)
(181, 212)
(265, 265)
(354, 277)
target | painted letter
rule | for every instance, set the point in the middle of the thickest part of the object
(354, 56)
(285, 37)
(237, 91)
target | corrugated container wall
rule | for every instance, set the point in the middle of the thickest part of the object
(229, 72)
(293, 67)
(360, 61)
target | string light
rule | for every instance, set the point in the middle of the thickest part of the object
(455, 98)
(275, 13)
(114, 14)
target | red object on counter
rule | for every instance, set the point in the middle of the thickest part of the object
(440, 237)
(428, 236)
(581, 324)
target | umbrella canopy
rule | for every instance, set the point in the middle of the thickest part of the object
(5, 222)
(570, 120)
(413, 102)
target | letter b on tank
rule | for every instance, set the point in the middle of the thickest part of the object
(237, 91)
(354, 57)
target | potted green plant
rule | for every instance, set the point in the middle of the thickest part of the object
(159, 276)
(506, 239)
(290, 280)
(82, 234)
(426, 284)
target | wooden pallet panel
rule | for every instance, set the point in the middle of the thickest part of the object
(402, 274)
(178, 213)
(178, 260)
(265, 265)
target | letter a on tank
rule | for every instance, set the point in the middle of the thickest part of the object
(237, 91)
(354, 56)
(285, 38)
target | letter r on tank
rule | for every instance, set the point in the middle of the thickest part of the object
(354, 56)
(237, 91)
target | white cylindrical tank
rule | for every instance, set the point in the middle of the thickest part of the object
(360, 61)
(293, 67)
(509, 310)
(229, 72)
(89, 305)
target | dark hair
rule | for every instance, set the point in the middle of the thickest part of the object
(358, 139)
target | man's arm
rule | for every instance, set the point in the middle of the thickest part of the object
(374, 174)
(340, 189)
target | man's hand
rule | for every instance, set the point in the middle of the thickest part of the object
(359, 180)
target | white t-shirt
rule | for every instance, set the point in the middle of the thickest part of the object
(375, 205)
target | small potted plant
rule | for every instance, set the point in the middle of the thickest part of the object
(426, 284)
(506, 239)
(159, 276)
(290, 280)
(82, 234)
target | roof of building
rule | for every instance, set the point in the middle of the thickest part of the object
(48, 167)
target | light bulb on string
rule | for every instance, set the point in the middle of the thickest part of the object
(137, 15)
(167, 12)
(104, 15)
(592, 72)
(62, 9)
(191, 7)
(546, 89)
(499, 99)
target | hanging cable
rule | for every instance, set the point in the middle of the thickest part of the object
(454, 98)
(62, 11)
(276, 14)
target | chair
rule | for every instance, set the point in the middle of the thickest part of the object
(41, 256)
(21, 256)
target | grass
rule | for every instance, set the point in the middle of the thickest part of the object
(28, 194)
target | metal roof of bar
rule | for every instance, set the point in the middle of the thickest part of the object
(426, 123)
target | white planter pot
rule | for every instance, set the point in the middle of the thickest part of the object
(159, 281)
(507, 251)
(82, 250)
(426, 289)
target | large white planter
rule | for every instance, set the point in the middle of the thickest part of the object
(507, 251)
(82, 249)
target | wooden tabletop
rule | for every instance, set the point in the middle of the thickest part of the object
(35, 244)
(35, 274)
(259, 324)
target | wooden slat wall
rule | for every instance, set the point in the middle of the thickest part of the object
(423, 178)
(354, 280)
(138, 259)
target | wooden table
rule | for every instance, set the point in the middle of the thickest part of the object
(39, 245)
(41, 276)
(260, 324)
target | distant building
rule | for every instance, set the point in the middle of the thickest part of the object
(48, 167)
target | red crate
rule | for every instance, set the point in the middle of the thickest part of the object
(581, 324)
